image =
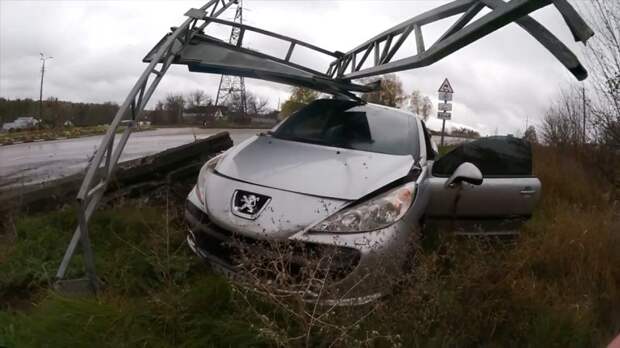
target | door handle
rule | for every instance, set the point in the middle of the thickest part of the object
(527, 192)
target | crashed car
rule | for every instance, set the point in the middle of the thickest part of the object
(361, 179)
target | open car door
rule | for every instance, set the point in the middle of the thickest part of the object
(500, 203)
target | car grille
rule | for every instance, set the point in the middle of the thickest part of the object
(235, 251)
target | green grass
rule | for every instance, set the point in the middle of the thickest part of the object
(558, 285)
(156, 293)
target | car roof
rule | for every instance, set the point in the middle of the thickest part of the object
(392, 111)
(388, 111)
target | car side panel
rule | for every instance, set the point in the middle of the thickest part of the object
(494, 198)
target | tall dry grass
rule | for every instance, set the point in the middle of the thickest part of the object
(558, 284)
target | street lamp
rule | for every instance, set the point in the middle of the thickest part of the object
(43, 59)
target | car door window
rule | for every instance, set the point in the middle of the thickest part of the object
(497, 156)
(430, 153)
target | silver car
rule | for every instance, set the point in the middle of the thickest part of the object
(362, 181)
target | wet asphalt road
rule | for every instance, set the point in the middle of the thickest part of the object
(32, 163)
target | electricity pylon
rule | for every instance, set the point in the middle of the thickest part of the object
(232, 88)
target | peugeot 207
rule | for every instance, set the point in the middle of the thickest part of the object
(358, 180)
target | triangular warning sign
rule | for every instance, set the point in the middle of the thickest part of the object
(445, 87)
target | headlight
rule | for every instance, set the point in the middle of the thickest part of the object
(200, 185)
(377, 213)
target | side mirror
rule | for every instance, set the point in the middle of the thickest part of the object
(466, 172)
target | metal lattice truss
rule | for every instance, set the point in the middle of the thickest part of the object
(189, 45)
(231, 86)
(375, 56)
(384, 46)
(101, 168)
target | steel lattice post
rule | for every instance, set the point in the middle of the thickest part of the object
(174, 48)
(104, 163)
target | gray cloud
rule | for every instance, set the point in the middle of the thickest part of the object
(500, 81)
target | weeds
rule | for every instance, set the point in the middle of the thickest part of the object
(558, 284)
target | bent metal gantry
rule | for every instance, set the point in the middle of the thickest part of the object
(188, 44)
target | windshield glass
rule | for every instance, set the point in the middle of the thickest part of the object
(347, 124)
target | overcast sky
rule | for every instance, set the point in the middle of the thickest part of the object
(501, 82)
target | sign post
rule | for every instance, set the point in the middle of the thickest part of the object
(443, 109)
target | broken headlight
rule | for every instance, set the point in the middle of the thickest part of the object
(377, 213)
(200, 185)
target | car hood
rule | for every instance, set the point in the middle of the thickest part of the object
(312, 169)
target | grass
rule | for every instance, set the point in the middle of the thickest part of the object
(557, 285)
(157, 293)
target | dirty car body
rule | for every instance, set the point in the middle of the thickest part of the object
(358, 181)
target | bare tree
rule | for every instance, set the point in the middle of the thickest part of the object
(158, 115)
(174, 105)
(197, 98)
(530, 135)
(420, 104)
(604, 56)
(563, 122)
(255, 104)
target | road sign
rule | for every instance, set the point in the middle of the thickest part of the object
(445, 96)
(443, 115)
(446, 87)
(444, 107)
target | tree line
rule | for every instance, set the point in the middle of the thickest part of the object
(57, 112)
(170, 110)
(389, 93)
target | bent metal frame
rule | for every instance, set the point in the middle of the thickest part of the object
(188, 45)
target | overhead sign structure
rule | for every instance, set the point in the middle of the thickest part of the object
(444, 93)
(188, 44)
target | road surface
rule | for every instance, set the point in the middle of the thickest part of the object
(33, 163)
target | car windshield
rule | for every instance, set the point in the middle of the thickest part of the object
(347, 124)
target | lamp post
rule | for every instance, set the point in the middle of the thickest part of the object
(43, 59)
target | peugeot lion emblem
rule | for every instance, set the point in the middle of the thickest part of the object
(248, 204)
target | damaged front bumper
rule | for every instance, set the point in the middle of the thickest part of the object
(362, 267)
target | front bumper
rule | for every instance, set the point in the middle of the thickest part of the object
(362, 267)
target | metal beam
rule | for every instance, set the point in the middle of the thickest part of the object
(101, 168)
(419, 39)
(188, 45)
(462, 22)
(441, 12)
(578, 27)
(547, 39)
(462, 34)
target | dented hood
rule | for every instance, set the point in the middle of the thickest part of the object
(312, 169)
